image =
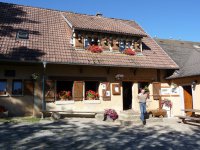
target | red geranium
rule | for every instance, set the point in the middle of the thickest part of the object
(95, 49)
(64, 95)
(92, 94)
(129, 51)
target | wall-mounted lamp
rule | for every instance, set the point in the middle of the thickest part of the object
(44, 64)
(194, 83)
(119, 76)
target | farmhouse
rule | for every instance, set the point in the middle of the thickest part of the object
(59, 60)
(186, 54)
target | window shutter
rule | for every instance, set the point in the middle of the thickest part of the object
(103, 45)
(79, 44)
(106, 93)
(156, 90)
(50, 90)
(78, 90)
(115, 46)
(28, 87)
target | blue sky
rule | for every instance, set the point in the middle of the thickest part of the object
(177, 19)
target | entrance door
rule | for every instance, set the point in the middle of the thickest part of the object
(127, 95)
(187, 91)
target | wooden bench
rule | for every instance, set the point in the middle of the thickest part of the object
(187, 118)
(193, 117)
(56, 114)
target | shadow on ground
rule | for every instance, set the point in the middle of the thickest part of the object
(71, 135)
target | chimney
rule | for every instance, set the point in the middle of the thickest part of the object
(99, 14)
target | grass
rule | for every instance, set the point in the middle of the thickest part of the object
(20, 120)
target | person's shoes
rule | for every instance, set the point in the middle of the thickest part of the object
(144, 122)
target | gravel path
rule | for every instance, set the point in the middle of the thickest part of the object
(85, 133)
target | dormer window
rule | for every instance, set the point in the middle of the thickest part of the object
(22, 35)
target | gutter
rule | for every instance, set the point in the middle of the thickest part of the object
(103, 65)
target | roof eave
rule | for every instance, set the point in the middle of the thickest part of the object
(113, 32)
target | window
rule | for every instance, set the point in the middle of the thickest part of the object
(3, 87)
(64, 90)
(22, 35)
(122, 45)
(17, 87)
(91, 90)
(87, 42)
(90, 41)
(94, 41)
(128, 44)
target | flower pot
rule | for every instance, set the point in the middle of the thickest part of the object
(90, 98)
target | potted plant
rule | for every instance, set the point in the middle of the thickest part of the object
(3, 112)
(166, 103)
(129, 51)
(65, 95)
(34, 76)
(110, 113)
(92, 95)
(95, 49)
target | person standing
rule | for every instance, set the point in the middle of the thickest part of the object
(142, 96)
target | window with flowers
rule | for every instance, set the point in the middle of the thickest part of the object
(91, 90)
(64, 90)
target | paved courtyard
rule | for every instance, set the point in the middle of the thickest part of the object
(82, 133)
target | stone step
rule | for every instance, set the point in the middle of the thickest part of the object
(136, 122)
(128, 117)
(129, 112)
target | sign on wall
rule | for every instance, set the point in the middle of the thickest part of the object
(169, 91)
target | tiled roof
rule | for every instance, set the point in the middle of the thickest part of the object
(49, 40)
(186, 54)
(101, 24)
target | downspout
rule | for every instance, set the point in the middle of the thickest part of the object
(43, 87)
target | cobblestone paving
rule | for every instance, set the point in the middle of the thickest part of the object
(82, 133)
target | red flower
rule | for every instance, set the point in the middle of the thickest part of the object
(129, 51)
(92, 94)
(95, 49)
(64, 94)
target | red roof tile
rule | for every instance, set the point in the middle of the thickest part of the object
(102, 24)
(49, 40)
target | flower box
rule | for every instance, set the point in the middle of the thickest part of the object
(64, 102)
(129, 51)
(95, 49)
(91, 101)
(92, 95)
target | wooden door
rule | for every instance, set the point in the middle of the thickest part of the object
(187, 90)
(127, 95)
